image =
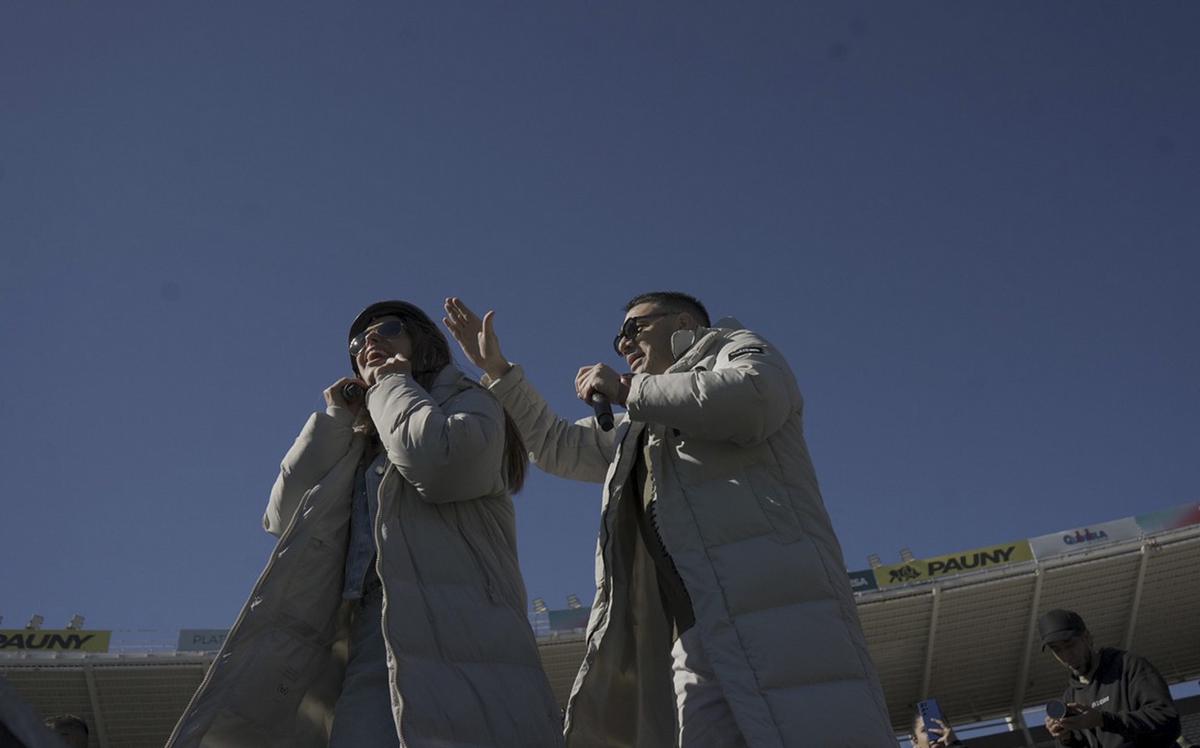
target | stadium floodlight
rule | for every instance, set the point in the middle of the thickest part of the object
(35, 622)
(539, 605)
(573, 602)
(76, 623)
(874, 560)
(906, 555)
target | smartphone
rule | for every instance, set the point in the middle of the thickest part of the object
(930, 711)
(1058, 710)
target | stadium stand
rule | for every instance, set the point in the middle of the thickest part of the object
(968, 639)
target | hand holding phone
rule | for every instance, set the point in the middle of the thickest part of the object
(931, 718)
(346, 393)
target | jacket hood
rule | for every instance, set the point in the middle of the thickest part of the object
(683, 340)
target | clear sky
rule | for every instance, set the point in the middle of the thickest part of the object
(973, 228)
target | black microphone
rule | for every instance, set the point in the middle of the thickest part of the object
(351, 391)
(603, 410)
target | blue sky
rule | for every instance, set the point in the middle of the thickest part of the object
(972, 228)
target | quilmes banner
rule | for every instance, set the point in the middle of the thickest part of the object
(862, 581)
(53, 640)
(1170, 519)
(1084, 538)
(201, 640)
(925, 569)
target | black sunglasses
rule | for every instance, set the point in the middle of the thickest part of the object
(632, 326)
(390, 329)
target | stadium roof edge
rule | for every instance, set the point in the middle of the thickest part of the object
(1134, 545)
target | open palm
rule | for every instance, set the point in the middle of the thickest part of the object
(477, 337)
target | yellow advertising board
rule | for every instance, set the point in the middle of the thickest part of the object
(925, 569)
(51, 640)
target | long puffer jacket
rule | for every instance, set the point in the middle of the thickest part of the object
(463, 663)
(740, 513)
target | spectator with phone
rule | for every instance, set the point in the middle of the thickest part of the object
(1114, 698)
(936, 735)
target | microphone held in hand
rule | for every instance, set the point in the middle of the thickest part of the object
(603, 410)
(352, 391)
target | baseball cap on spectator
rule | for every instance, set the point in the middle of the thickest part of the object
(1059, 625)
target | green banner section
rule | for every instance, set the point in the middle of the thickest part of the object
(1170, 519)
(924, 569)
(569, 619)
(51, 640)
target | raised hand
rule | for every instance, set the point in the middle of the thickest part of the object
(477, 337)
(947, 738)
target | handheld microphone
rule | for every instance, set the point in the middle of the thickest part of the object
(351, 391)
(603, 410)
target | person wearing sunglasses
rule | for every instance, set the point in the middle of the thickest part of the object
(392, 611)
(723, 615)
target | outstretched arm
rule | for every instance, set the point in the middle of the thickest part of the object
(579, 450)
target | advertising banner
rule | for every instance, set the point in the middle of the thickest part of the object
(1084, 538)
(201, 640)
(925, 569)
(53, 640)
(569, 619)
(1170, 519)
(862, 581)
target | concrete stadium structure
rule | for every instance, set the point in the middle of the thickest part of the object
(968, 640)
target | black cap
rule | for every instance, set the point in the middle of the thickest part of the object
(401, 309)
(1059, 625)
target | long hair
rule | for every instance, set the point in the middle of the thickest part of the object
(431, 354)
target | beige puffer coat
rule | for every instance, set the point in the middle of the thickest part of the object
(741, 515)
(462, 658)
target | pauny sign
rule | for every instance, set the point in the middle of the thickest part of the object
(63, 640)
(920, 570)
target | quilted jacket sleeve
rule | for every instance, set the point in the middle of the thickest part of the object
(448, 452)
(579, 450)
(324, 440)
(747, 396)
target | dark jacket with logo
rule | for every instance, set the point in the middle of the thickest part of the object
(1134, 701)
